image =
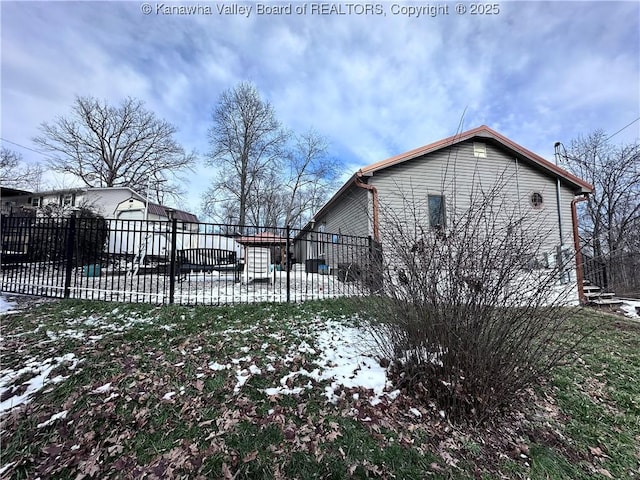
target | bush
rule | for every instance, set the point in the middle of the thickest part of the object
(467, 319)
(50, 231)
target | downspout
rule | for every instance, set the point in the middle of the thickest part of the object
(374, 192)
(576, 245)
(558, 198)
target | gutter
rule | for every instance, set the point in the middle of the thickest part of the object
(374, 191)
(576, 244)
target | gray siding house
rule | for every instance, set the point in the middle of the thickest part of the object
(437, 181)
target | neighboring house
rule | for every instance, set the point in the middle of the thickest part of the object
(124, 208)
(14, 202)
(441, 176)
(113, 203)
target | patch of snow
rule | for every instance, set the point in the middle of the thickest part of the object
(237, 361)
(54, 417)
(630, 308)
(422, 354)
(345, 359)
(6, 467)
(304, 347)
(215, 366)
(58, 379)
(415, 412)
(38, 371)
(393, 395)
(242, 376)
(6, 306)
(103, 389)
(254, 370)
(113, 396)
(168, 395)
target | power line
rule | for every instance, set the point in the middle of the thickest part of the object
(23, 146)
(623, 128)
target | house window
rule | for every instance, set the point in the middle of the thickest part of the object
(68, 199)
(536, 200)
(36, 201)
(479, 150)
(436, 211)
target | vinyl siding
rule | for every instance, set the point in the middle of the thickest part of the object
(455, 173)
(344, 226)
(351, 214)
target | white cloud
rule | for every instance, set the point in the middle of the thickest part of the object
(375, 86)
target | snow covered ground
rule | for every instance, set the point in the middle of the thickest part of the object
(342, 355)
(6, 306)
(212, 288)
(631, 308)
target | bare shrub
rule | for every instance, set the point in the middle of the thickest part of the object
(475, 311)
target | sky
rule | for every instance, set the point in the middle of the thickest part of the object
(373, 84)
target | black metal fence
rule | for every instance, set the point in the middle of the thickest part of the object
(181, 262)
(595, 271)
(618, 272)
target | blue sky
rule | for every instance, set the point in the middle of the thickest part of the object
(374, 86)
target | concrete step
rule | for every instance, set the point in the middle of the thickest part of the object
(593, 295)
(590, 288)
(608, 303)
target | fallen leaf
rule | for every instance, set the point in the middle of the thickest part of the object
(250, 457)
(605, 473)
(226, 472)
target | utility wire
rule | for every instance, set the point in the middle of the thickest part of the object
(623, 128)
(22, 146)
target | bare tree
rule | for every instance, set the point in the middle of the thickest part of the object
(109, 146)
(311, 176)
(610, 221)
(246, 142)
(15, 173)
(612, 213)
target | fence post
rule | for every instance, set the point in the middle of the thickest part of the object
(172, 265)
(69, 248)
(287, 264)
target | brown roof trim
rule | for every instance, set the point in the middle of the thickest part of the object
(352, 180)
(483, 132)
(161, 210)
(265, 238)
(479, 132)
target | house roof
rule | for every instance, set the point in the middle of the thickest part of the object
(13, 192)
(483, 132)
(265, 238)
(181, 215)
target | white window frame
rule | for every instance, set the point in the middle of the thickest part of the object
(479, 150)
